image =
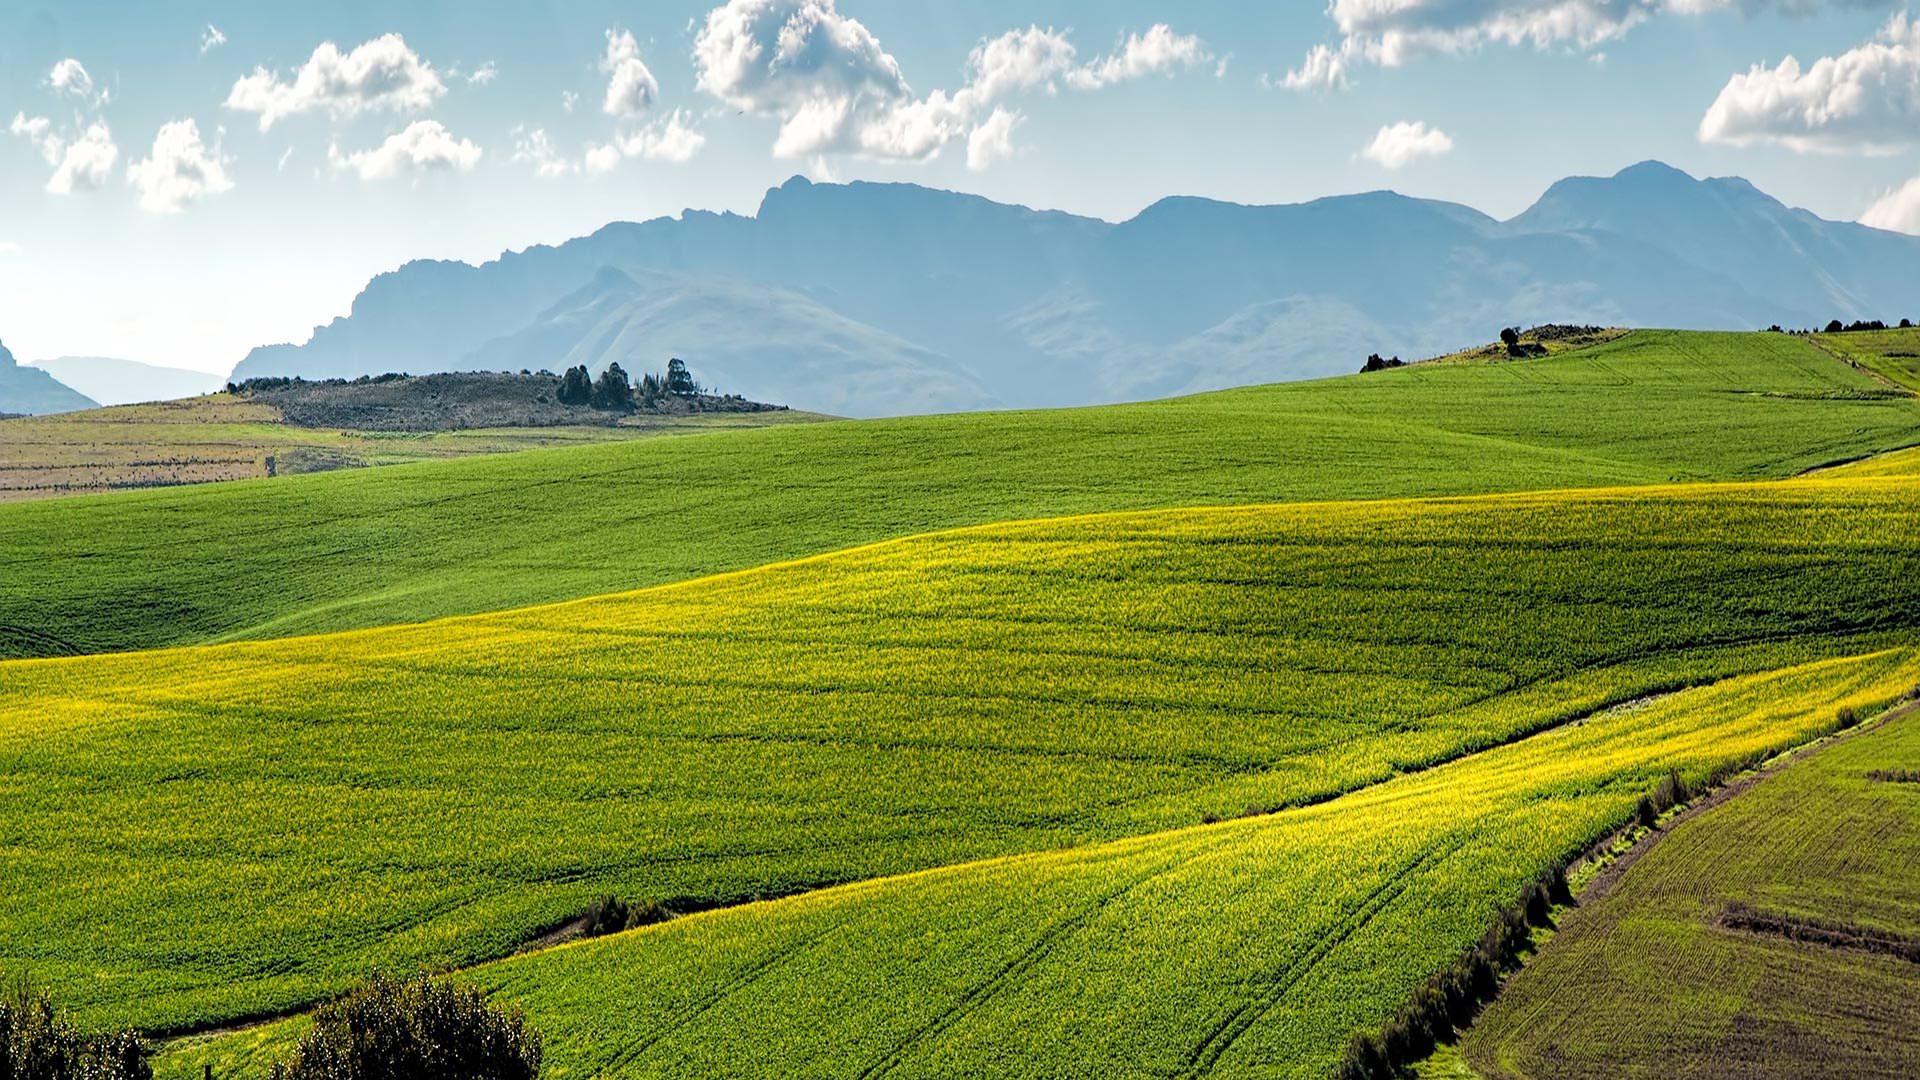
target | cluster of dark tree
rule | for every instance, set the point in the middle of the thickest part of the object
(1453, 996)
(1375, 363)
(610, 915)
(285, 382)
(614, 390)
(1835, 326)
(37, 1042)
(1510, 337)
(399, 1029)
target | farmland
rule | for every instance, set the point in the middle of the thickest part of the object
(1662, 975)
(1894, 355)
(1246, 948)
(302, 810)
(365, 548)
(221, 437)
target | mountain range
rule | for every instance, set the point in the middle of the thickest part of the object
(126, 382)
(877, 299)
(30, 390)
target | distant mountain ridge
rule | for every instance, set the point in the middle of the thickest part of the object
(878, 299)
(30, 390)
(126, 382)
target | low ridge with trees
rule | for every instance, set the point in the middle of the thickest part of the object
(462, 400)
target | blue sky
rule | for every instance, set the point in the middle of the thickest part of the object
(255, 180)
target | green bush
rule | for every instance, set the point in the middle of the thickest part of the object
(412, 1029)
(38, 1043)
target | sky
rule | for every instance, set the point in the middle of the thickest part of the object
(180, 182)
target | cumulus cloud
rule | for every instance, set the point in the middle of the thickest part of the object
(992, 139)
(832, 86)
(211, 39)
(70, 77)
(631, 88)
(1865, 100)
(1898, 210)
(1399, 145)
(38, 131)
(484, 74)
(673, 138)
(85, 162)
(1390, 32)
(380, 74)
(425, 146)
(181, 170)
(1159, 51)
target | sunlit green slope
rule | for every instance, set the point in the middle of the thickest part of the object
(399, 544)
(1249, 948)
(193, 835)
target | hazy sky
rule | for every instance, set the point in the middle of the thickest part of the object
(180, 181)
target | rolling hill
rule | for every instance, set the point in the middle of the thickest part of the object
(889, 298)
(92, 575)
(28, 390)
(444, 792)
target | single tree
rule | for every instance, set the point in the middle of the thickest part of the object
(1509, 337)
(679, 379)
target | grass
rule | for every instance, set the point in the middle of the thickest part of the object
(1250, 948)
(220, 437)
(259, 823)
(1647, 981)
(371, 547)
(1892, 354)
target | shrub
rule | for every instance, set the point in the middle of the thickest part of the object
(1835, 327)
(1509, 336)
(607, 915)
(403, 1029)
(38, 1043)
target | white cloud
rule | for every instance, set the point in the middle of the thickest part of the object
(1391, 32)
(568, 99)
(86, 161)
(38, 131)
(1397, 145)
(180, 172)
(834, 89)
(1159, 51)
(601, 158)
(70, 77)
(1866, 99)
(211, 39)
(992, 139)
(631, 88)
(1019, 61)
(484, 74)
(1898, 210)
(380, 74)
(536, 149)
(425, 146)
(285, 156)
(671, 138)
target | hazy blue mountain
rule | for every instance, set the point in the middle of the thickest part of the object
(126, 382)
(30, 390)
(872, 299)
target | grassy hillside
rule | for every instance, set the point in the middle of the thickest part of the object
(220, 437)
(1652, 979)
(347, 550)
(1249, 948)
(1892, 354)
(302, 810)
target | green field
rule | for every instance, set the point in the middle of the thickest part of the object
(1244, 949)
(303, 810)
(372, 547)
(1647, 981)
(1892, 354)
(221, 437)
